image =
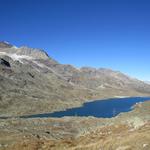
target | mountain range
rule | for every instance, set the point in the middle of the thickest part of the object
(32, 82)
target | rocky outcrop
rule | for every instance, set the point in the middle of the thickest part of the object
(4, 44)
(8, 49)
(5, 63)
(32, 52)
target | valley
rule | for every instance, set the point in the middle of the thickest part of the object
(31, 82)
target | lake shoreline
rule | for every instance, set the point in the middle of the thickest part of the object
(114, 112)
(75, 105)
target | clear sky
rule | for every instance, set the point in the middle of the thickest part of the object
(98, 33)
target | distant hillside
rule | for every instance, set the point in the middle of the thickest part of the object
(147, 82)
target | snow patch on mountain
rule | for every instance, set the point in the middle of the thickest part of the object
(17, 57)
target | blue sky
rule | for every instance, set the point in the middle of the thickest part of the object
(99, 33)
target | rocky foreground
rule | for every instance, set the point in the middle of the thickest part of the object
(128, 131)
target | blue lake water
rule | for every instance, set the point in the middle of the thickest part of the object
(99, 108)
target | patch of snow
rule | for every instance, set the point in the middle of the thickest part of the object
(3, 53)
(16, 57)
(101, 86)
(121, 96)
(15, 47)
(19, 57)
(6, 42)
(145, 145)
(40, 65)
(123, 147)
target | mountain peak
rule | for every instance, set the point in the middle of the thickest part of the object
(35, 53)
(5, 44)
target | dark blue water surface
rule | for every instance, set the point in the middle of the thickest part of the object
(99, 108)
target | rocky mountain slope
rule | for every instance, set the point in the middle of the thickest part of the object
(32, 82)
(147, 82)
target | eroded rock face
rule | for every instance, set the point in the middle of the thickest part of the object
(13, 51)
(5, 63)
(32, 52)
(4, 44)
